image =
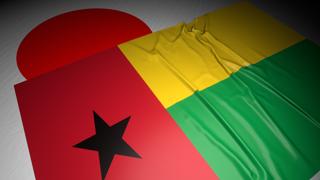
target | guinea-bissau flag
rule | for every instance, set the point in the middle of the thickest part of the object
(232, 95)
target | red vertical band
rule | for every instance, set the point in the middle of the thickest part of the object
(57, 108)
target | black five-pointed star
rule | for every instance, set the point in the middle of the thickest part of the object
(108, 142)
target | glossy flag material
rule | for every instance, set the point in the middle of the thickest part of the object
(242, 87)
(57, 111)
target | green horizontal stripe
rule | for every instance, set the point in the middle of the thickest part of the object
(263, 122)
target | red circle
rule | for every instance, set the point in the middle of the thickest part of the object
(68, 37)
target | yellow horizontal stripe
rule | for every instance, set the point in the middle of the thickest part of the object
(180, 60)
